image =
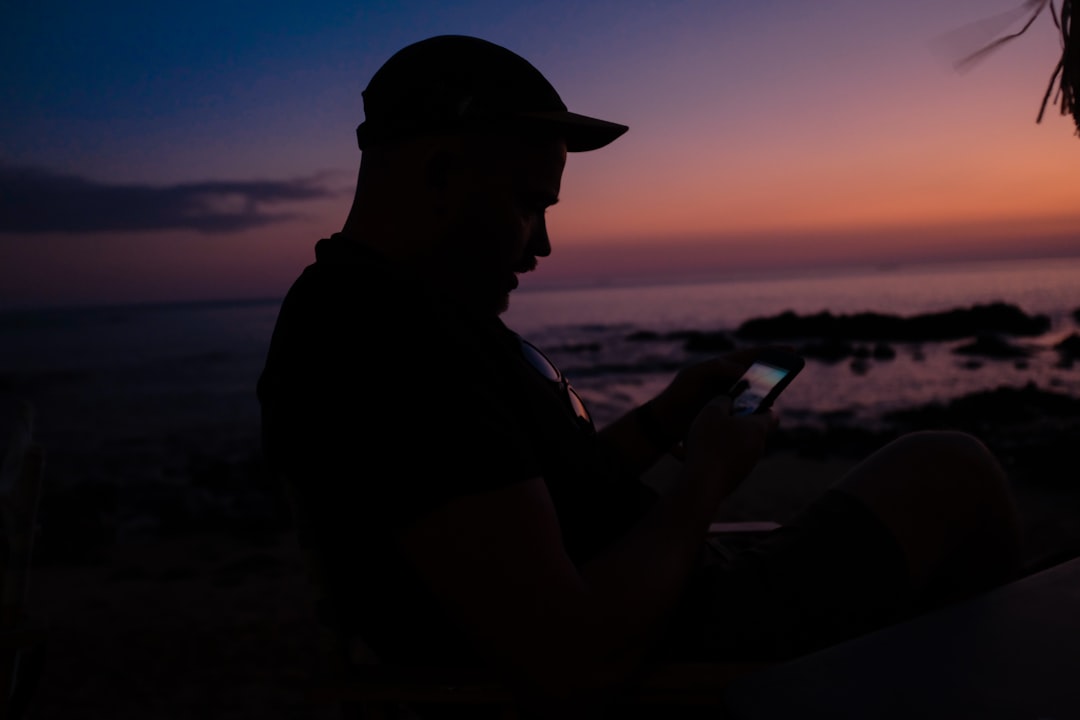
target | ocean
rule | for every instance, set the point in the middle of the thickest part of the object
(157, 392)
(585, 329)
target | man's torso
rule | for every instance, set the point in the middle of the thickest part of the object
(379, 405)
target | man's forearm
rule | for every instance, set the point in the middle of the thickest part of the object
(640, 438)
(644, 573)
(640, 578)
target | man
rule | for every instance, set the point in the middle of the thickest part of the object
(457, 502)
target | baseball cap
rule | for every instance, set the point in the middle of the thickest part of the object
(457, 83)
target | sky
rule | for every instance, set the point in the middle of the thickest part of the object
(186, 151)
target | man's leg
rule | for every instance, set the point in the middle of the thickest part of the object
(926, 519)
(947, 501)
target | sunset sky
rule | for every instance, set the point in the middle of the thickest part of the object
(197, 150)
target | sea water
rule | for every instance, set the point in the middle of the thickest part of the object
(589, 328)
(142, 391)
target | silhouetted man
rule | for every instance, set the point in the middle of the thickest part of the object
(458, 503)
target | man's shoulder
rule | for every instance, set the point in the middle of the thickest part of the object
(349, 291)
(351, 310)
(343, 269)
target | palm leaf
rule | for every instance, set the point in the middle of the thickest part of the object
(1066, 75)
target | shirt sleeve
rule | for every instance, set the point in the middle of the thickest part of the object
(420, 425)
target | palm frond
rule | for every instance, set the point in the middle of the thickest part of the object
(1066, 75)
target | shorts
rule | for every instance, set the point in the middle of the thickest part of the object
(830, 574)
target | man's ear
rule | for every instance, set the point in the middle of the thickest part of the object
(443, 170)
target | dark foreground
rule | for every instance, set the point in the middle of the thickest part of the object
(210, 616)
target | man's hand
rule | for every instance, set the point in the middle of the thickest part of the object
(695, 386)
(724, 447)
(640, 438)
(496, 560)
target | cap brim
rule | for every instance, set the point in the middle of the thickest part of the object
(581, 132)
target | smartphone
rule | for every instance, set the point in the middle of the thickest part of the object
(763, 381)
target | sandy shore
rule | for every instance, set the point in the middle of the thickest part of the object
(195, 627)
(213, 625)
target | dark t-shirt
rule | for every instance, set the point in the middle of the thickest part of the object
(381, 403)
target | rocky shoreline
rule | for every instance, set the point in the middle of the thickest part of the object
(1033, 432)
(183, 594)
(212, 614)
(833, 338)
(1031, 429)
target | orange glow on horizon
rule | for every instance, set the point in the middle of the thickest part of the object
(924, 181)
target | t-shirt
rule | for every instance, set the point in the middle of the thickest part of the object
(380, 403)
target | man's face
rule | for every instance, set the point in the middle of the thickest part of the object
(498, 230)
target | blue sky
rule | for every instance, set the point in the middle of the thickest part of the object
(199, 149)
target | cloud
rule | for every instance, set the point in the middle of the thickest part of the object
(33, 200)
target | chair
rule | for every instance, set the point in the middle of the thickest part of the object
(22, 637)
(366, 689)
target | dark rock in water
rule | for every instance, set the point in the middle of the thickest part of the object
(1001, 408)
(999, 317)
(860, 366)
(693, 340)
(829, 351)
(1076, 315)
(644, 367)
(708, 342)
(578, 348)
(837, 419)
(883, 351)
(861, 352)
(1069, 347)
(971, 364)
(1032, 431)
(993, 346)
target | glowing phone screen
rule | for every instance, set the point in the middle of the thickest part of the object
(758, 381)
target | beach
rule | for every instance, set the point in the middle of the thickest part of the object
(221, 624)
(166, 566)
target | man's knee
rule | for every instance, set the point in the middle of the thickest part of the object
(939, 462)
(947, 444)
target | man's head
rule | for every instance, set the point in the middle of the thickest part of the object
(458, 84)
(464, 142)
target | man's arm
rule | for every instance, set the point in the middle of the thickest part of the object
(643, 435)
(497, 560)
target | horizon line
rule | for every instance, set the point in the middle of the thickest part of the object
(571, 284)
